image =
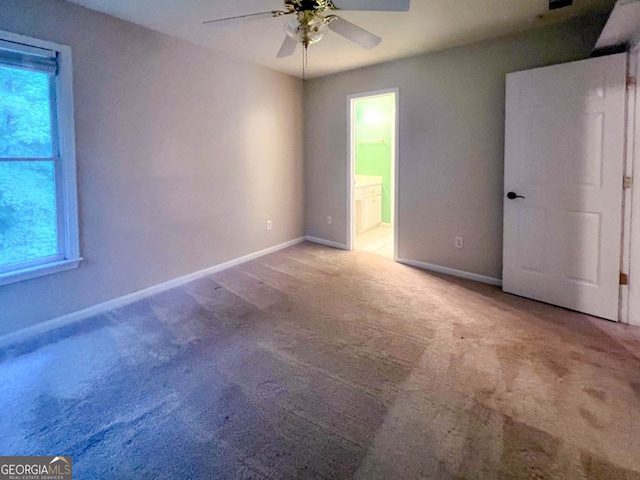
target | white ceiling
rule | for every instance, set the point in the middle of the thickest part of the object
(430, 25)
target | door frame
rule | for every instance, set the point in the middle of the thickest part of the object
(351, 164)
(630, 262)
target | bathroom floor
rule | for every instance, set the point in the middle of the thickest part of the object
(378, 240)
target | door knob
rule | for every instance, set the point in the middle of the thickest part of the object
(513, 196)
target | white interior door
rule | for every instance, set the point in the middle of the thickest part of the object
(564, 154)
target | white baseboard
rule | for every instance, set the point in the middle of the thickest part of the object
(115, 303)
(328, 243)
(451, 271)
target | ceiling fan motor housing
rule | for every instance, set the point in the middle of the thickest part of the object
(308, 5)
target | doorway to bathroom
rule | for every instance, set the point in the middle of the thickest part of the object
(372, 176)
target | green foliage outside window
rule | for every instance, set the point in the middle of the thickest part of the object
(28, 212)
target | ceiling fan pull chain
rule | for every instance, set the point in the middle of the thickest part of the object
(305, 57)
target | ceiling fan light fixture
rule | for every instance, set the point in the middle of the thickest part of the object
(308, 31)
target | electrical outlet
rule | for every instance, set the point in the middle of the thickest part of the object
(269, 225)
(329, 220)
(459, 242)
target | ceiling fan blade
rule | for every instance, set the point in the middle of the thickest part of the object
(288, 47)
(242, 18)
(354, 33)
(373, 5)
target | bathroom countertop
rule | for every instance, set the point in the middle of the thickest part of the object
(367, 180)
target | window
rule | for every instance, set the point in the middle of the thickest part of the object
(38, 206)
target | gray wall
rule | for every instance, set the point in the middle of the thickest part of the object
(182, 157)
(451, 142)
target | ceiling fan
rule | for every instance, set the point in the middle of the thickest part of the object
(311, 21)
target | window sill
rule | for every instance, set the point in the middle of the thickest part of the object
(39, 271)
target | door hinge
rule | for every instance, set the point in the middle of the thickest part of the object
(631, 82)
(626, 182)
(624, 279)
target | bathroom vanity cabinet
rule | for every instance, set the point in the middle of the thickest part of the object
(368, 199)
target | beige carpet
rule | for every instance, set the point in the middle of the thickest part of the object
(319, 363)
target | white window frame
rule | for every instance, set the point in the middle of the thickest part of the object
(68, 256)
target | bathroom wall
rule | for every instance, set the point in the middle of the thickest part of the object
(374, 131)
